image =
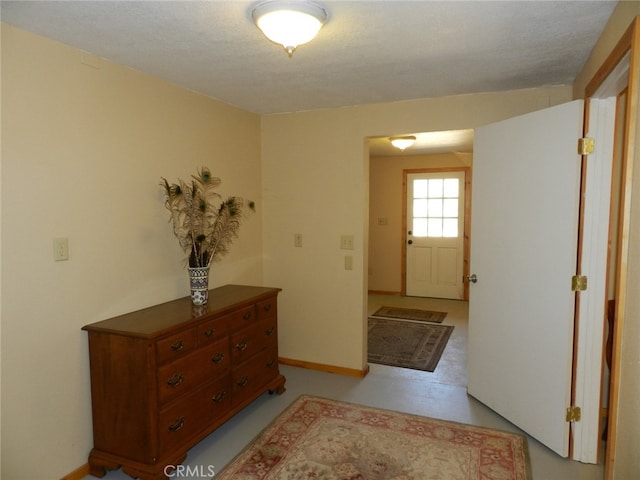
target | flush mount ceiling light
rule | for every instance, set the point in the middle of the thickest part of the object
(289, 22)
(402, 142)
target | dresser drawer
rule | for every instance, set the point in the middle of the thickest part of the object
(175, 346)
(183, 374)
(267, 308)
(192, 415)
(254, 374)
(250, 340)
(243, 316)
(213, 330)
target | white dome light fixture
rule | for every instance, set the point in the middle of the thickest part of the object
(289, 22)
(402, 142)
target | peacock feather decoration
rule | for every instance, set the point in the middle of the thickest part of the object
(204, 223)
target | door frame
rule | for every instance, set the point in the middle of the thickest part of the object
(467, 223)
(629, 44)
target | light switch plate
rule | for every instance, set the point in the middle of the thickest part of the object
(348, 262)
(346, 242)
(60, 249)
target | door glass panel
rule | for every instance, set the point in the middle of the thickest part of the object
(419, 207)
(420, 188)
(451, 187)
(435, 188)
(450, 208)
(435, 207)
(419, 227)
(450, 227)
(434, 227)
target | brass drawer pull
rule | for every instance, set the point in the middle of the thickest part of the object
(242, 382)
(268, 332)
(247, 316)
(177, 346)
(219, 397)
(241, 346)
(271, 363)
(218, 358)
(209, 331)
(267, 307)
(177, 426)
(175, 380)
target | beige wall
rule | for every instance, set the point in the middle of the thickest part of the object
(627, 461)
(83, 148)
(385, 201)
(316, 182)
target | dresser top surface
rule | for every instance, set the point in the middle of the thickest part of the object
(158, 319)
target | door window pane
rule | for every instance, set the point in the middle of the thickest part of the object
(434, 227)
(451, 188)
(435, 207)
(450, 227)
(420, 188)
(435, 188)
(420, 207)
(419, 227)
(450, 208)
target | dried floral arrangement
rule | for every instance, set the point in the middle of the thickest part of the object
(204, 224)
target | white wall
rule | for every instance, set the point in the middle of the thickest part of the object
(316, 182)
(84, 144)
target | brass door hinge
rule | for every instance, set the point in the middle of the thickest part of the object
(573, 414)
(578, 283)
(586, 146)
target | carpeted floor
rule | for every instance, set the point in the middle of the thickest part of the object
(326, 439)
(406, 344)
(415, 314)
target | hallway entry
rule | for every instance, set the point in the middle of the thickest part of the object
(452, 367)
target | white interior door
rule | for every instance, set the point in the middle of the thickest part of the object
(526, 174)
(435, 234)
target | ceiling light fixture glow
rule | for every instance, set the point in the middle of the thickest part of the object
(402, 142)
(289, 22)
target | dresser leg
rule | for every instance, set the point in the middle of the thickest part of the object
(98, 465)
(162, 471)
(97, 471)
(277, 386)
(139, 474)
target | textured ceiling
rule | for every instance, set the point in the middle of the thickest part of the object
(368, 52)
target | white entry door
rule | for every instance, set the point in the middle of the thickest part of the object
(435, 234)
(524, 231)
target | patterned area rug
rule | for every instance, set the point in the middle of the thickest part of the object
(329, 440)
(407, 344)
(410, 314)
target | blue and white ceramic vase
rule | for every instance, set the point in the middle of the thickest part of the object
(199, 281)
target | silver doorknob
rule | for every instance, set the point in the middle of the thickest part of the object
(473, 278)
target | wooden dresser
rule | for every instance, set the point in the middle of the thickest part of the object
(164, 377)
